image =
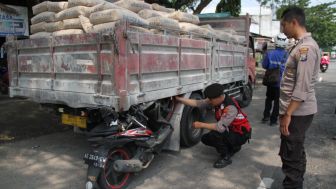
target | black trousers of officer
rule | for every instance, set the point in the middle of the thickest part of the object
(272, 99)
(226, 143)
(292, 151)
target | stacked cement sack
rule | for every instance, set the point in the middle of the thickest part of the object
(100, 16)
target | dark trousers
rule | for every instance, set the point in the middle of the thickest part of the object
(292, 151)
(272, 99)
(226, 143)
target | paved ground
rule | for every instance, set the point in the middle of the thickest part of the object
(53, 158)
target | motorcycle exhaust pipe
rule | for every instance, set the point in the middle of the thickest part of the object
(128, 166)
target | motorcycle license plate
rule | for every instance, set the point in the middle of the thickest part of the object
(77, 121)
(95, 160)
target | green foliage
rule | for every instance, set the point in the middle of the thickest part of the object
(231, 6)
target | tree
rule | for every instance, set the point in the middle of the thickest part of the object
(232, 6)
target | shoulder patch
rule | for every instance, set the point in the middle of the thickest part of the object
(303, 53)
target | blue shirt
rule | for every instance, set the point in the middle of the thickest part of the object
(274, 59)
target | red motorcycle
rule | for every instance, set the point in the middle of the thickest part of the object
(325, 61)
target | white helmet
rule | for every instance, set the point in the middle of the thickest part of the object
(281, 40)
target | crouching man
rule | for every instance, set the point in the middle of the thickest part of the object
(232, 129)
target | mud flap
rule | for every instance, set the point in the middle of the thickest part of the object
(173, 143)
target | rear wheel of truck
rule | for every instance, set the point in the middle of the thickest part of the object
(189, 135)
(109, 178)
(246, 95)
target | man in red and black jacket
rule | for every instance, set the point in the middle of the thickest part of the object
(232, 129)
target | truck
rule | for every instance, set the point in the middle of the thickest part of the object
(119, 86)
(79, 75)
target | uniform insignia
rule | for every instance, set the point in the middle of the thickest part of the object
(303, 54)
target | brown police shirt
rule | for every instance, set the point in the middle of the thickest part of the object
(300, 76)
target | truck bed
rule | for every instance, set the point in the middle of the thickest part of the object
(120, 69)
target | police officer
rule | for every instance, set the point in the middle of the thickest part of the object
(297, 96)
(274, 59)
(232, 129)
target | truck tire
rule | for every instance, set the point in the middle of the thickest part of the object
(246, 95)
(189, 135)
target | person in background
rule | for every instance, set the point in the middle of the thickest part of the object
(297, 96)
(274, 59)
(232, 129)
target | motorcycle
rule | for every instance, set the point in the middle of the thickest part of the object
(124, 144)
(324, 63)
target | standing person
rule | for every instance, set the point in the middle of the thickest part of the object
(297, 96)
(274, 59)
(232, 129)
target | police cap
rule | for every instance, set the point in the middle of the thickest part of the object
(213, 91)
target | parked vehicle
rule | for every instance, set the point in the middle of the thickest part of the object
(94, 82)
(325, 61)
(124, 144)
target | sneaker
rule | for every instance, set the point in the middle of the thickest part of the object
(222, 162)
(265, 119)
(273, 124)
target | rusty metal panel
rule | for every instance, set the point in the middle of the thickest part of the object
(120, 70)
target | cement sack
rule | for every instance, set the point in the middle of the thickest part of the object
(43, 17)
(41, 7)
(161, 8)
(222, 35)
(73, 12)
(229, 30)
(133, 5)
(194, 29)
(54, 26)
(73, 23)
(161, 32)
(57, 6)
(39, 27)
(105, 27)
(238, 38)
(147, 13)
(139, 29)
(184, 17)
(67, 32)
(104, 6)
(86, 24)
(207, 26)
(113, 15)
(87, 3)
(165, 23)
(40, 35)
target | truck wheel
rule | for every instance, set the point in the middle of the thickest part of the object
(189, 135)
(246, 95)
(109, 178)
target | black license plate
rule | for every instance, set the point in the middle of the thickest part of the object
(95, 160)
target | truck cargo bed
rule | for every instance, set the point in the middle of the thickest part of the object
(121, 69)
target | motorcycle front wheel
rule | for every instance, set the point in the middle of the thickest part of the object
(109, 178)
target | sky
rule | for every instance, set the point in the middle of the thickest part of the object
(252, 3)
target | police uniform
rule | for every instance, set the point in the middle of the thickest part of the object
(299, 78)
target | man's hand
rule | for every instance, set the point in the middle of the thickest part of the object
(197, 125)
(284, 124)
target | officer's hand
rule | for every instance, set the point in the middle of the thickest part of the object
(197, 125)
(284, 124)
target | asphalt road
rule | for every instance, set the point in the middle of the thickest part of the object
(53, 159)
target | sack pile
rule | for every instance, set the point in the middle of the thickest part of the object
(100, 16)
